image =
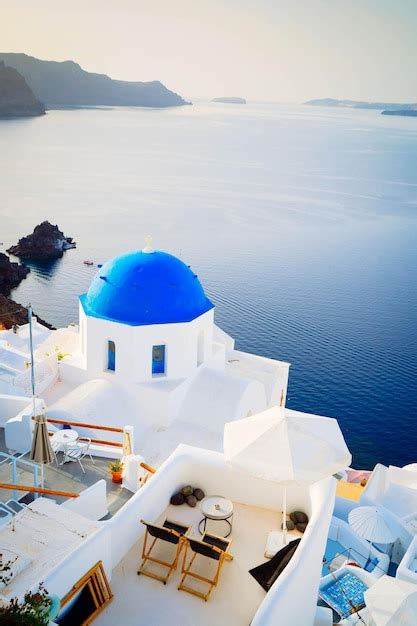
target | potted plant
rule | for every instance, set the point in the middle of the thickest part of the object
(116, 469)
(33, 611)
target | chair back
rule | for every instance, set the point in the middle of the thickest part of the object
(159, 532)
(201, 547)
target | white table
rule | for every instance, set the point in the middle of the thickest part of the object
(64, 438)
(216, 508)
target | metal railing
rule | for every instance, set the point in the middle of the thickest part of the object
(8, 459)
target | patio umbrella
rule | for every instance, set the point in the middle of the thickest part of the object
(287, 447)
(392, 602)
(369, 523)
(41, 451)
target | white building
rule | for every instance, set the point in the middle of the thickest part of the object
(148, 352)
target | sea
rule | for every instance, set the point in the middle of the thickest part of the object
(301, 223)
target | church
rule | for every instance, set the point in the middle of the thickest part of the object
(147, 352)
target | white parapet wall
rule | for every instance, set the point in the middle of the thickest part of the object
(117, 536)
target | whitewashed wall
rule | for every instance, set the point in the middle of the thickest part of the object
(183, 348)
(282, 604)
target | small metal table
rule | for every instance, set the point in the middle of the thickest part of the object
(216, 508)
(65, 437)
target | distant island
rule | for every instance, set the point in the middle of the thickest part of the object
(405, 112)
(16, 97)
(230, 100)
(359, 104)
(63, 84)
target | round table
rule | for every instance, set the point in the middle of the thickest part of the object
(65, 437)
(216, 508)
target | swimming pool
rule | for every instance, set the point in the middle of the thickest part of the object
(345, 594)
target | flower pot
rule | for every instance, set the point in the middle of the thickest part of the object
(116, 477)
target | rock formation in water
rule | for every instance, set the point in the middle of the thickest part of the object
(230, 100)
(11, 274)
(61, 84)
(46, 242)
(358, 104)
(16, 98)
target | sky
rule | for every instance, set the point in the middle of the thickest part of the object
(266, 50)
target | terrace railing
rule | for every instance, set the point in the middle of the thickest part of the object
(8, 459)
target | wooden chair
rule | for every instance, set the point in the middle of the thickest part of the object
(170, 532)
(211, 547)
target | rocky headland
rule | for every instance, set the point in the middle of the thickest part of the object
(66, 84)
(359, 104)
(11, 274)
(403, 112)
(11, 312)
(230, 100)
(16, 97)
(46, 243)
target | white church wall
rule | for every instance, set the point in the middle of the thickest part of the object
(186, 346)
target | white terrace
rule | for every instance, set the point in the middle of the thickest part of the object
(238, 599)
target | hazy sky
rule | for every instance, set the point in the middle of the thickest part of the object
(282, 50)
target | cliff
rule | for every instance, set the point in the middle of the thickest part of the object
(16, 98)
(45, 243)
(10, 274)
(61, 84)
(359, 104)
(12, 312)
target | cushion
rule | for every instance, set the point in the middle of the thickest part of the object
(177, 499)
(301, 527)
(198, 493)
(267, 573)
(187, 491)
(298, 517)
(191, 501)
(274, 543)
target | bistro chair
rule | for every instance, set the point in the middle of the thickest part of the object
(211, 547)
(170, 532)
(79, 450)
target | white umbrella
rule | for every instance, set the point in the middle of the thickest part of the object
(369, 523)
(392, 602)
(287, 447)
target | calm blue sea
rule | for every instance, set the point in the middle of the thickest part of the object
(301, 222)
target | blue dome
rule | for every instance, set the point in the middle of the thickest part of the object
(141, 288)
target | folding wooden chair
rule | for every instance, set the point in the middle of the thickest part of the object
(170, 532)
(211, 547)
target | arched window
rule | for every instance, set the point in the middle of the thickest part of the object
(111, 356)
(158, 360)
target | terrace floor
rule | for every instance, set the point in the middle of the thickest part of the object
(68, 477)
(143, 600)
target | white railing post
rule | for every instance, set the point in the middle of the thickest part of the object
(128, 443)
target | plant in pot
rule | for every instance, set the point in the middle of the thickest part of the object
(116, 469)
(33, 611)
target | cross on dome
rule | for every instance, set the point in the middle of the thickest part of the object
(148, 245)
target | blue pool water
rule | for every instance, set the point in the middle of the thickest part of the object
(341, 594)
(300, 222)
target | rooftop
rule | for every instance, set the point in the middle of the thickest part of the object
(68, 477)
(157, 603)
